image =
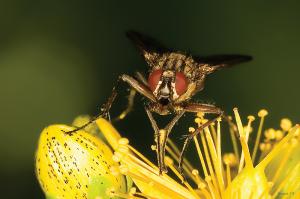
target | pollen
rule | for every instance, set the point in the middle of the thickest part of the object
(200, 114)
(278, 135)
(270, 134)
(285, 124)
(191, 129)
(230, 159)
(251, 118)
(262, 113)
(198, 120)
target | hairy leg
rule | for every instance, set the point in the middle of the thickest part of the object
(104, 111)
(161, 136)
(204, 108)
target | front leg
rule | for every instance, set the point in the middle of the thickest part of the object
(194, 107)
(161, 136)
(139, 87)
(142, 84)
(156, 138)
(104, 111)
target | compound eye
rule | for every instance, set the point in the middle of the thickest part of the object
(154, 78)
(181, 83)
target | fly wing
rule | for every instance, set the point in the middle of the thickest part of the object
(215, 62)
(145, 43)
(150, 49)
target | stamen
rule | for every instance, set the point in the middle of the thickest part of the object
(213, 190)
(219, 144)
(232, 130)
(200, 155)
(149, 181)
(216, 163)
(242, 139)
(204, 191)
(176, 158)
(210, 168)
(247, 132)
(230, 160)
(169, 163)
(200, 184)
(176, 150)
(213, 132)
(262, 113)
(142, 157)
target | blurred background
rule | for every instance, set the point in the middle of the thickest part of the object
(59, 59)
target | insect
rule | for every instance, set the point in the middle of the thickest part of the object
(173, 79)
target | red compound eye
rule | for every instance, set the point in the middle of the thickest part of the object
(154, 78)
(181, 83)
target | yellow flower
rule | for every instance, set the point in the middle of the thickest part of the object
(245, 173)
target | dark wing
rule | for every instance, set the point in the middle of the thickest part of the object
(145, 43)
(150, 49)
(216, 62)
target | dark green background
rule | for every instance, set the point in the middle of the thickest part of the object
(59, 59)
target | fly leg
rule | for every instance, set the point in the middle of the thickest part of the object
(131, 96)
(160, 137)
(104, 111)
(204, 108)
(129, 107)
(156, 138)
(167, 131)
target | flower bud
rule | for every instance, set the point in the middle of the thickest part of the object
(75, 165)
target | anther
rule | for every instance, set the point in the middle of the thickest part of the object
(250, 129)
(132, 191)
(285, 124)
(201, 185)
(114, 170)
(123, 169)
(191, 129)
(198, 121)
(278, 135)
(123, 141)
(123, 149)
(262, 113)
(195, 172)
(117, 156)
(200, 114)
(230, 159)
(168, 160)
(251, 118)
(153, 147)
(270, 134)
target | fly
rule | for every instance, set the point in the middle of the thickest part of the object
(173, 79)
